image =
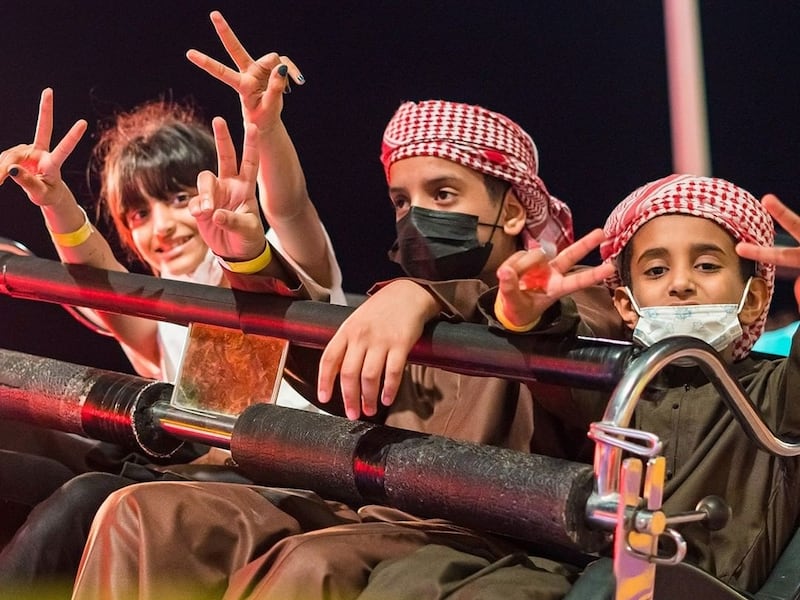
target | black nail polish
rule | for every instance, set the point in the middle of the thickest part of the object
(282, 70)
(13, 171)
(300, 78)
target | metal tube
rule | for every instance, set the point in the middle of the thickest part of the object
(205, 428)
(641, 371)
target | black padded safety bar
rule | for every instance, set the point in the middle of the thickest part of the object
(464, 347)
(527, 496)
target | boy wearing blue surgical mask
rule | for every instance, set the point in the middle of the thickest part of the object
(673, 242)
(680, 275)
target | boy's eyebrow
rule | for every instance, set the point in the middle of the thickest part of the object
(433, 182)
(706, 247)
(651, 253)
(699, 248)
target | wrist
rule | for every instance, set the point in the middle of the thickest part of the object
(59, 199)
(269, 129)
(248, 267)
(415, 291)
(75, 237)
(500, 314)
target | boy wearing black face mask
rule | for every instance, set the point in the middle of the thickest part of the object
(464, 183)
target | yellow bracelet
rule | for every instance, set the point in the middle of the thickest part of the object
(499, 312)
(73, 238)
(248, 267)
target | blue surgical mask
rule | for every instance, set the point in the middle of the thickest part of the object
(716, 324)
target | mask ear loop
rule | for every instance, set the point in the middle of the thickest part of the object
(634, 304)
(496, 219)
(744, 295)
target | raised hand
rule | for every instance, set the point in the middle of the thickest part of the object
(37, 168)
(260, 83)
(529, 282)
(283, 195)
(374, 342)
(779, 255)
(226, 207)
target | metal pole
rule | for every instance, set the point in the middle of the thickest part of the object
(686, 82)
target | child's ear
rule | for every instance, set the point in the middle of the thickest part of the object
(624, 306)
(755, 301)
(513, 214)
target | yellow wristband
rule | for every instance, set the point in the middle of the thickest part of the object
(499, 312)
(248, 267)
(73, 238)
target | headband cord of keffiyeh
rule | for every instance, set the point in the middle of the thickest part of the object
(729, 206)
(489, 143)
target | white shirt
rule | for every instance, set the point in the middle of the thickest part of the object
(172, 337)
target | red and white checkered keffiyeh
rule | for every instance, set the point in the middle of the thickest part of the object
(489, 143)
(728, 205)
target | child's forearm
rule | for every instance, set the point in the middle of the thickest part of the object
(286, 204)
(74, 237)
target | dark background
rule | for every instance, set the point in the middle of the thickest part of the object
(586, 79)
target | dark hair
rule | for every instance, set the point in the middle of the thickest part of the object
(747, 267)
(496, 187)
(155, 150)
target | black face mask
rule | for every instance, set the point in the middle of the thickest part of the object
(438, 245)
